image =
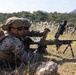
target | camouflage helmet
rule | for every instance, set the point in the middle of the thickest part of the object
(26, 22)
(16, 22)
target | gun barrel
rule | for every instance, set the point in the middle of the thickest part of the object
(60, 42)
(53, 42)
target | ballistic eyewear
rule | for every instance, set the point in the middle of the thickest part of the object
(21, 28)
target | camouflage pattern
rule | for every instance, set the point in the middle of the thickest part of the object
(26, 22)
(47, 68)
(16, 22)
(13, 48)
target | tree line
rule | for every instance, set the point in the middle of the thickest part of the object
(42, 16)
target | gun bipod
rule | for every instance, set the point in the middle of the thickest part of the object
(69, 45)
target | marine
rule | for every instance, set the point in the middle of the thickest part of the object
(12, 51)
(15, 41)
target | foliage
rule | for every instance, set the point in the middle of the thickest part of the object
(38, 16)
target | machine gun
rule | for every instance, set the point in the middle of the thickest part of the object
(59, 32)
(56, 41)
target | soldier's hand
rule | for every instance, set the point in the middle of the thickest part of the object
(46, 30)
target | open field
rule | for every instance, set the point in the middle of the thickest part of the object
(66, 63)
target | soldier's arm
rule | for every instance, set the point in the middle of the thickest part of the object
(35, 33)
(13, 47)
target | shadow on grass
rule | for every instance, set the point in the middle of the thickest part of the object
(31, 68)
(38, 62)
(63, 60)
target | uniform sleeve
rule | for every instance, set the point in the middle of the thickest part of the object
(13, 45)
(35, 34)
(6, 44)
(18, 49)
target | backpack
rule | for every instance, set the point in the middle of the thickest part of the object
(3, 34)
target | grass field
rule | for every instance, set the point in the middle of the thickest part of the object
(66, 63)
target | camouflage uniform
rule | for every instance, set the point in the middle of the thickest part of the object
(17, 48)
(11, 47)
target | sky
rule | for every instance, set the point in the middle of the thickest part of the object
(62, 6)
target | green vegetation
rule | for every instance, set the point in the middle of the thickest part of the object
(39, 16)
(66, 64)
